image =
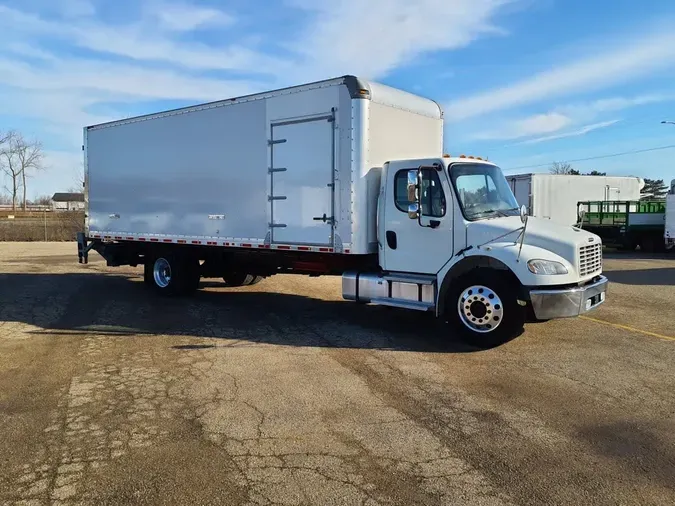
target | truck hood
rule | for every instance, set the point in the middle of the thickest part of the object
(562, 240)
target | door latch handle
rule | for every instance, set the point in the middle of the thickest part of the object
(324, 218)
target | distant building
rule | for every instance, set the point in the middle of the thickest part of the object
(68, 201)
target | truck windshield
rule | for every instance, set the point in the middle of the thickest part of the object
(482, 191)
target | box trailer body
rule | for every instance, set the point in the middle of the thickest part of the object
(338, 177)
(555, 196)
(669, 228)
(295, 167)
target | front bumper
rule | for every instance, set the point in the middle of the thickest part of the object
(567, 302)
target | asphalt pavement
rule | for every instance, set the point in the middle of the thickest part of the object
(283, 393)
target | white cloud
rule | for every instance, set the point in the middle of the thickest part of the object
(145, 41)
(629, 62)
(77, 8)
(372, 38)
(533, 125)
(182, 17)
(23, 49)
(574, 133)
(591, 109)
(561, 117)
(118, 81)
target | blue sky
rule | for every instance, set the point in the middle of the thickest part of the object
(524, 82)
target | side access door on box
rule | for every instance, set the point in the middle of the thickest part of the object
(302, 185)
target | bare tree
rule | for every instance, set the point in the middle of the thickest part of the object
(562, 168)
(42, 200)
(18, 157)
(10, 165)
(30, 157)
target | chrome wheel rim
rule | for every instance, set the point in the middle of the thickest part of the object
(480, 309)
(162, 272)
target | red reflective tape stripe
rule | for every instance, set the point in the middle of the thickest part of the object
(141, 238)
(168, 240)
(246, 245)
(304, 248)
(118, 238)
(324, 249)
(181, 241)
(130, 238)
(107, 237)
(212, 243)
(153, 239)
(196, 242)
(346, 251)
(284, 247)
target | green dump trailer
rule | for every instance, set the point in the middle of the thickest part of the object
(625, 224)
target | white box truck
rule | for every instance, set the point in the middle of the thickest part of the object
(338, 177)
(555, 196)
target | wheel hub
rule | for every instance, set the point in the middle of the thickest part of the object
(162, 272)
(480, 309)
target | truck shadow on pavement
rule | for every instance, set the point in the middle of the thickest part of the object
(636, 445)
(644, 277)
(118, 305)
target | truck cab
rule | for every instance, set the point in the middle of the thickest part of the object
(452, 240)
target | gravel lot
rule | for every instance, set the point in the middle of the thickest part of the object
(282, 393)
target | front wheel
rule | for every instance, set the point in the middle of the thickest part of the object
(483, 308)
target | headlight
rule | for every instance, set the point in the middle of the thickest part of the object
(546, 267)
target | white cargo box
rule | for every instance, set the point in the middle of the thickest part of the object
(296, 168)
(555, 196)
(669, 233)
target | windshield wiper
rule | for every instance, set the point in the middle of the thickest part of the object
(492, 211)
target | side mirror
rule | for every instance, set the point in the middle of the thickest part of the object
(412, 186)
(582, 215)
(523, 213)
(414, 211)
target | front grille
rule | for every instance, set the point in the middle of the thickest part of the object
(590, 259)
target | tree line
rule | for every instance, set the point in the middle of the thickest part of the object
(654, 189)
(20, 158)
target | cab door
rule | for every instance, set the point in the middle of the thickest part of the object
(422, 245)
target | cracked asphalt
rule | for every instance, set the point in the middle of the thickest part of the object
(282, 393)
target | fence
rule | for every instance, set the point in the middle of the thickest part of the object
(40, 226)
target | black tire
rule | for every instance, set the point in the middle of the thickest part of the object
(236, 279)
(497, 329)
(147, 272)
(183, 274)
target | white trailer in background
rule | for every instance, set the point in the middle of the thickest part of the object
(338, 177)
(555, 196)
(669, 233)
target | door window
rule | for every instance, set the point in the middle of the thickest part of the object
(432, 197)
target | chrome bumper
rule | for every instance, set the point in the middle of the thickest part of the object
(566, 302)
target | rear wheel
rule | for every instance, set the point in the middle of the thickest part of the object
(236, 279)
(483, 308)
(172, 274)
